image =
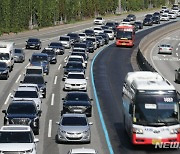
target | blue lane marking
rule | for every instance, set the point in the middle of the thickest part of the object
(98, 105)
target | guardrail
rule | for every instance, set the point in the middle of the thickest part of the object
(143, 63)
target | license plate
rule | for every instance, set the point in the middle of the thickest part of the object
(76, 110)
(123, 43)
(156, 141)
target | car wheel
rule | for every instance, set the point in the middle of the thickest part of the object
(57, 139)
(47, 73)
(7, 76)
(44, 95)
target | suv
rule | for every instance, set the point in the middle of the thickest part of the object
(40, 59)
(34, 70)
(17, 139)
(51, 54)
(4, 70)
(23, 112)
(58, 47)
(34, 43)
(36, 79)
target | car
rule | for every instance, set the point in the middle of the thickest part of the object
(66, 41)
(110, 34)
(36, 79)
(76, 58)
(34, 70)
(156, 20)
(98, 30)
(165, 48)
(28, 93)
(172, 15)
(99, 21)
(104, 27)
(80, 45)
(139, 24)
(93, 39)
(81, 54)
(101, 40)
(164, 17)
(40, 59)
(177, 75)
(51, 54)
(19, 55)
(4, 70)
(72, 66)
(75, 81)
(105, 36)
(156, 14)
(73, 128)
(131, 17)
(30, 85)
(111, 25)
(74, 38)
(164, 8)
(126, 22)
(89, 32)
(148, 22)
(89, 45)
(82, 151)
(77, 102)
(16, 139)
(82, 36)
(58, 47)
(33, 43)
(23, 112)
(149, 15)
(175, 10)
(166, 12)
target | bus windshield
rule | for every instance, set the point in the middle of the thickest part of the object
(124, 35)
(156, 110)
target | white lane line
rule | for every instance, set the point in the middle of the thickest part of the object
(55, 80)
(49, 128)
(176, 49)
(18, 78)
(59, 67)
(179, 44)
(27, 65)
(7, 99)
(52, 99)
(176, 54)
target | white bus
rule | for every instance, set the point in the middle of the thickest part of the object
(151, 109)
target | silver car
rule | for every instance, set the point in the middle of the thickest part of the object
(19, 55)
(73, 128)
(82, 151)
(165, 48)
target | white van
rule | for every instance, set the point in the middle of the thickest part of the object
(6, 53)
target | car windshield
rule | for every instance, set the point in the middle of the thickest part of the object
(21, 108)
(107, 31)
(4, 56)
(34, 71)
(16, 137)
(79, 50)
(75, 59)
(99, 18)
(49, 52)
(33, 79)
(89, 31)
(80, 45)
(91, 39)
(39, 58)
(74, 121)
(164, 108)
(26, 94)
(17, 51)
(109, 24)
(3, 65)
(77, 97)
(76, 76)
(55, 44)
(64, 39)
(164, 15)
(33, 40)
(72, 35)
(74, 65)
(81, 34)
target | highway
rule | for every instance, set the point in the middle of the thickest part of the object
(110, 67)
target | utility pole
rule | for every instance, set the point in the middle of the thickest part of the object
(119, 7)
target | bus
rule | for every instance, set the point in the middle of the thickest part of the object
(150, 109)
(125, 35)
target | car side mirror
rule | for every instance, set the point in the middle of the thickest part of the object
(87, 78)
(22, 81)
(36, 140)
(58, 123)
(130, 109)
(63, 99)
(4, 111)
(90, 123)
(39, 112)
(176, 70)
(91, 99)
(29, 59)
(45, 82)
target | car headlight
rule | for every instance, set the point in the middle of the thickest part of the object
(138, 131)
(86, 132)
(84, 84)
(175, 131)
(62, 131)
(67, 84)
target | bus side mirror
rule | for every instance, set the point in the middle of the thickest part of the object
(130, 109)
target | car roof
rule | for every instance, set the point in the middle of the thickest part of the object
(76, 73)
(28, 85)
(15, 128)
(77, 92)
(83, 151)
(40, 54)
(22, 101)
(34, 75)
(26, 89)
(73, 115)
(34, 67)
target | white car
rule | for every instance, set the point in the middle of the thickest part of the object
(98, 30)
(82, 151)
(164, 17)
(172, 15)
(75, 58)
(28, 93)
(175, 10)
(99, 21)
(75, 81)
(165, 48)
(66, 41)
(110, 34)
(82, 36)
(17, 139)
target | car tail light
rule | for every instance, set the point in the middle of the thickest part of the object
(160, 48)
(170, 49)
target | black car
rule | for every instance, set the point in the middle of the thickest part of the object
(156, 20)
(40, 59)
(73, 66)
(74, 37)
(23, 112)
(177, 76)
(111, 25)
(139, 24)
(89, 32)
(58, 47)
(77, 102)
(51, 54)
(36, 79)
(131, 17)
(148, 22)
(80, 45)
(105, 36)
(156, 14)
(4, 70)
(148, 15)
(33, 43)
(104, 27)
(90, 46)
(19, 55)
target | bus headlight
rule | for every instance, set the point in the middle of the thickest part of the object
(138, 131)
(175, 131)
